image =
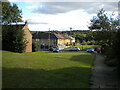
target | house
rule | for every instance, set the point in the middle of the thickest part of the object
(48, 39)
(69, 40)
(27, 34)
(28, 37)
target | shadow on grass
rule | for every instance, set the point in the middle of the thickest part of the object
(84, 59)
(74, 77)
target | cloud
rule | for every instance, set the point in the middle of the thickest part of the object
(63, 0)
(38, 23)
(76, 19)
(63, 7)
(34, 21)
(30, 7)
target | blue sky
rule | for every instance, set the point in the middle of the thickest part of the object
(61, 15)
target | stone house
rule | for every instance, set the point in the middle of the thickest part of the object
(28, 37)
(68, 40)
(44, 39)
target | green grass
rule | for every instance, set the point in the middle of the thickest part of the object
(84, 47)
(46, 70)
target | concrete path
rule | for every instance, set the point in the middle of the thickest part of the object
(102, 75)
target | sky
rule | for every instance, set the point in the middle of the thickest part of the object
(61, 14)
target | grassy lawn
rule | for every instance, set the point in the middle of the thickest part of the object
(46, 70)
(84, 47)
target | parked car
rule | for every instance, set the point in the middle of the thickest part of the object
(56, 49)
(52, 48)
(75, 49)
(90, 50)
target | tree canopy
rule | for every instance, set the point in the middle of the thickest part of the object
(103, 21)
(10, 13)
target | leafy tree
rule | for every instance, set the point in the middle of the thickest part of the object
(101, 21)
(12, 39)
(10, 13)
(106, 26)
(12, 35)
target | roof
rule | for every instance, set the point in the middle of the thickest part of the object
(68, 37)
(46, 35)
(59, 36)
(43, 35)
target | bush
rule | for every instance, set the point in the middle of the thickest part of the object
(13, 39)
(84, 42)
(35, 47)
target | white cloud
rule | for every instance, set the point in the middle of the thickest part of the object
(31, 7)
(78, 20)
(62, 16)
(14, 0)
(64, 0)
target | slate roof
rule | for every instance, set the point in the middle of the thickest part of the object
(43, 35)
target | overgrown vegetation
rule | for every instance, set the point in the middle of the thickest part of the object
(46, 70)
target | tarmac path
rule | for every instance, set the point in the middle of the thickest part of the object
(103, 76)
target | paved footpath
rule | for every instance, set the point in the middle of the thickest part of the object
(103, 76)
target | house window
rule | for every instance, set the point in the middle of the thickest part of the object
(37, 40)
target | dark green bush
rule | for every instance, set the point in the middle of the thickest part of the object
(13, 39)
(35, 47)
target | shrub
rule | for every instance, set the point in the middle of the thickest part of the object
(13, 39)
(35, 47)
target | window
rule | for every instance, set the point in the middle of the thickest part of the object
(37, 40)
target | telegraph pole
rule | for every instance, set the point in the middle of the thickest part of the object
(49, 38)
(70, 30)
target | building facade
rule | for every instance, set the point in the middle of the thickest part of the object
(27, 37)
(48, 39)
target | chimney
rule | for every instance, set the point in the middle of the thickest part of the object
(26, 22)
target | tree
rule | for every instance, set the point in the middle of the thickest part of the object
(12, 39)
(100, 22)
(106, 27)
(12, 35)
(10, 13)
(116, 48)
